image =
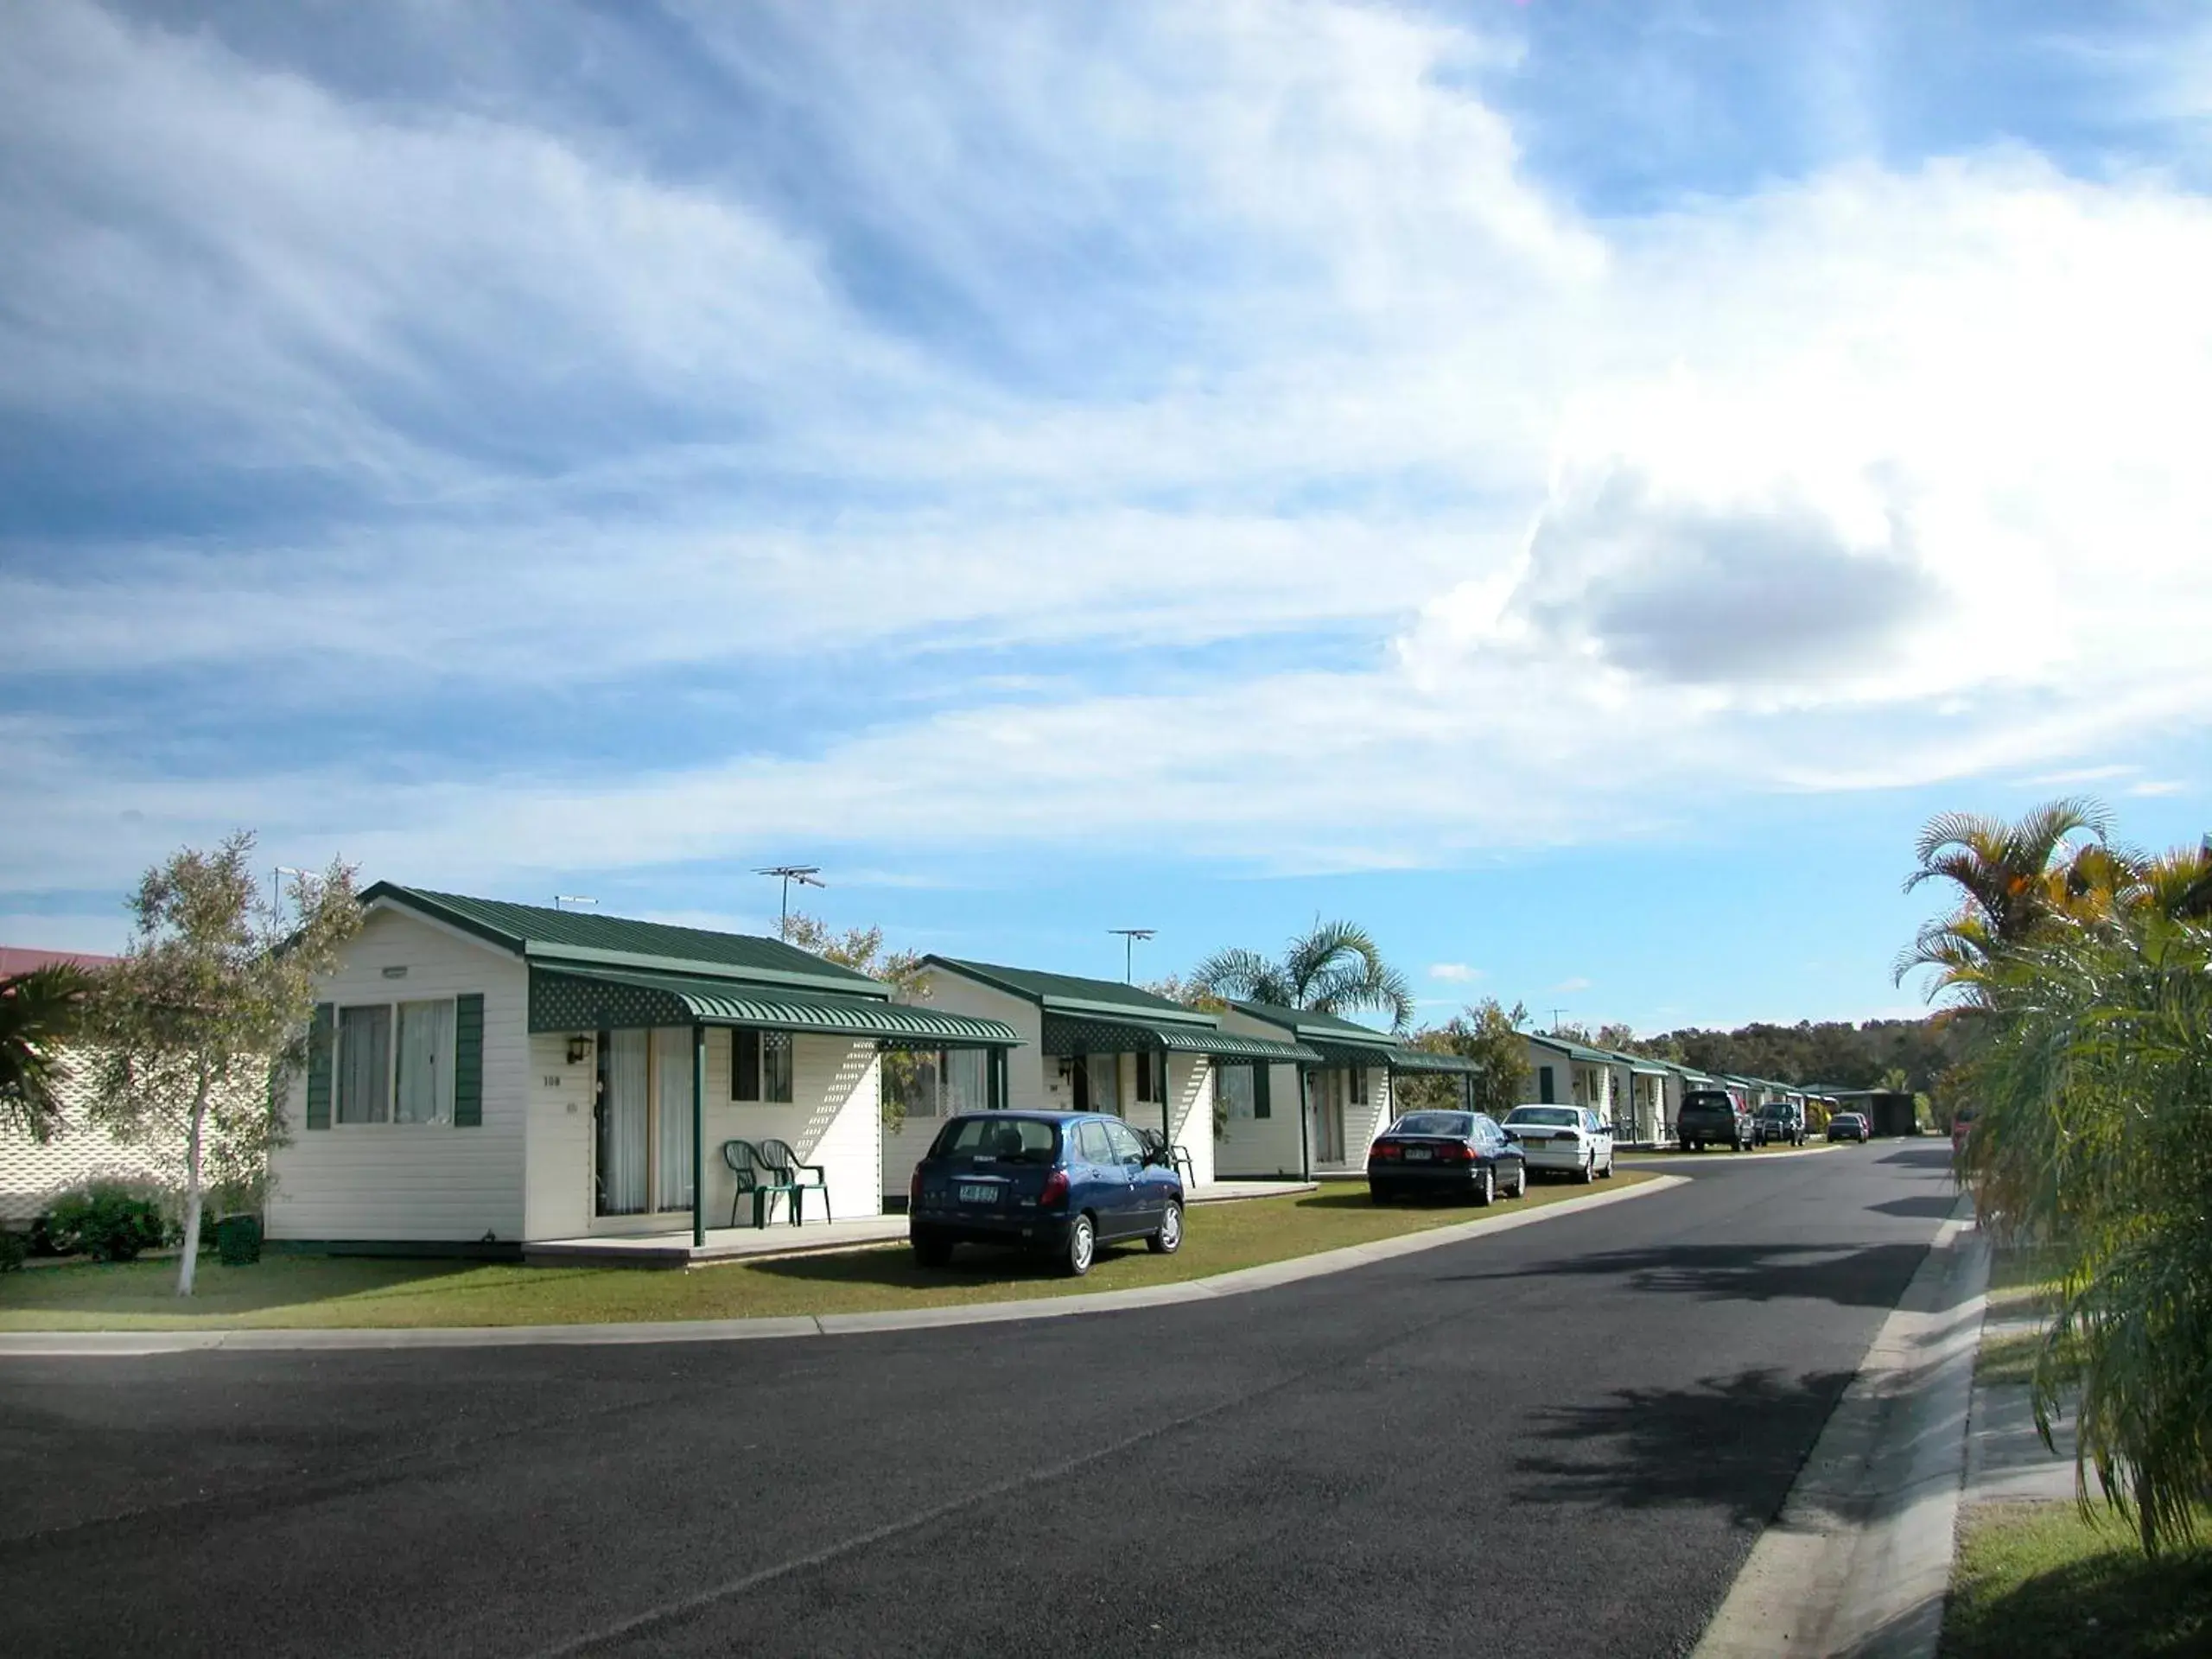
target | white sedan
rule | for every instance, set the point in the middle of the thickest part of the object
(1569, 1139)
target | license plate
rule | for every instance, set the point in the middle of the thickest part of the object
(978, 1193)
(1419, 1154)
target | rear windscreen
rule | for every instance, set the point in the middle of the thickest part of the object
(1457, 1124)
(1556, 1118)
(1006, 1140)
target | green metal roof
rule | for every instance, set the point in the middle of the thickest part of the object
(1311, 1023)
(1566, 1045)
(1423, 1059)
(1072, 993)
(543, 935)
(1072, 1034)
(584, 1000)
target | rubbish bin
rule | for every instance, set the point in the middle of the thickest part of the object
(238, 1241)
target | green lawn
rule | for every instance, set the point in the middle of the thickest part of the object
(2040, 1581)
(292, 1292)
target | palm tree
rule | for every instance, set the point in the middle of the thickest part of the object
(1334, 968)
(2012, 879)
(39, 1011)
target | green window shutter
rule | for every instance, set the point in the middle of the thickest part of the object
(318, 1066)
(1262, 1105)
(468, 1061)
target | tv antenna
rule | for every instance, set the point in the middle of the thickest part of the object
(1129, 935)
(561, 899)
(807, 875)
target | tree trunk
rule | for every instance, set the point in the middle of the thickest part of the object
(188, 1265)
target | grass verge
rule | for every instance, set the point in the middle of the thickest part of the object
(306, 1292)
(2043, 1581)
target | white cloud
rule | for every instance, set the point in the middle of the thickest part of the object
(1874, 478)
(1574, 984)
(1457, 972)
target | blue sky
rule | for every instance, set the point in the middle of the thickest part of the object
(1571, 486)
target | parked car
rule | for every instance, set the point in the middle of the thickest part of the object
(1714, 1117)
(1571, 1139)
(1782, 1121)
(1462, 1153)
(1058, 1183)
(1847, 1126)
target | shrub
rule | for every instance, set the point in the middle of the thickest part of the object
(14, 1246)
(106, 1221)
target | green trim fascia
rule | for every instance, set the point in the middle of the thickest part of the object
(1150, 1009)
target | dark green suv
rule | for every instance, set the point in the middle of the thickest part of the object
(1713, 1117)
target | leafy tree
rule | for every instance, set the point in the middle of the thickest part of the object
(1188, 993)
(2091, 1140)
(39, 1011)
(198, 1027)
(1333, 967)
(2011, 878)
(1488, 1033)
(1618, 1039)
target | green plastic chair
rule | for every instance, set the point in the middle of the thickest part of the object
(784, 1162)
(759, 1176)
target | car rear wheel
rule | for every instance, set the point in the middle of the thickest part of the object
(1589, 1170)
(1169, 1238)
(1377, 1194)
(1520, 1181)
(1485, 1188)
(931, 1247)
(1082, 1248)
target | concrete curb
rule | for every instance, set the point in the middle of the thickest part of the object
(76, 1344)
(1859, 1562)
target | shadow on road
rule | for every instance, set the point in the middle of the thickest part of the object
(1935, 1208)
(1734, 1442)
(1872, 1275)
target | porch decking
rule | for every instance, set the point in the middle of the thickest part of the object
(675, 1250)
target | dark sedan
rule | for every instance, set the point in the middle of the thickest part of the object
(1464, 1154)
(1847, 1126)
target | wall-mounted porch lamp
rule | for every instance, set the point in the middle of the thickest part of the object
(579, 1050)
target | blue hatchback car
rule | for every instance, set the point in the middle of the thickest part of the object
(1058, 1183)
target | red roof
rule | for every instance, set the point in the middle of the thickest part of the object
(21, 959)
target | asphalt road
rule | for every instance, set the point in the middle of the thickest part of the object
(1560, 1439)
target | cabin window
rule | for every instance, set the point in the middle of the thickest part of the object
(760, 1066)
(911, 1076)
(1547, 1090)
(408, 1080)
(1151, 1079)
(1234, 1085)
(1357, 1081)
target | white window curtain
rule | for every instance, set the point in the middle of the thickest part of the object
(673, 1062)
(1105, 1083)
(967, 1081)
(1235, 1084)
(365, 1064)
(425, 1091)
(622, 1124)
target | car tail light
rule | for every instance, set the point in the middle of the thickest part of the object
(1457, 1153)
(1056, 1190)
(1388, 1149)
(914, 1188)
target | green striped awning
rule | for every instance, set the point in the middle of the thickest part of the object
(609, 1000)
(1422, 1059)
(1065, 1034)
(1359, 1056)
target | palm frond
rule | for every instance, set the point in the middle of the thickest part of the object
(39, 1011)
(1240, 974)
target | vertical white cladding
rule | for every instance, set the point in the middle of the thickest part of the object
(428, 1182)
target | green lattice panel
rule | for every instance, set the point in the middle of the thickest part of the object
(558, 1003)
